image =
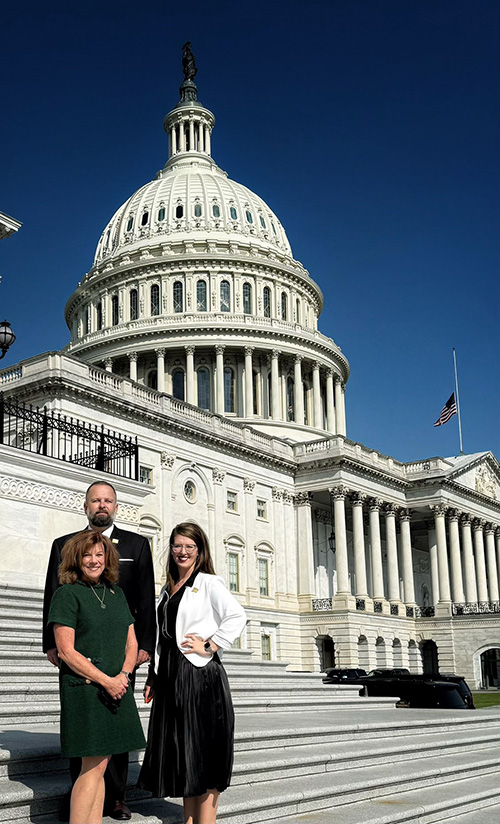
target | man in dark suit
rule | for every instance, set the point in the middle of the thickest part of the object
(136, 578)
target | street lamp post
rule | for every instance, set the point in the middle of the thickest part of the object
(7, 337)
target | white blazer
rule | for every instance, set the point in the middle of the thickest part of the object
(209, 610)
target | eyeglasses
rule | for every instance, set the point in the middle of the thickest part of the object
(187, 549)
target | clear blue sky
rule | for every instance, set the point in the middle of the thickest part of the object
(371, 127)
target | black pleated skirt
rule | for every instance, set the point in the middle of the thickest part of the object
(191, 729)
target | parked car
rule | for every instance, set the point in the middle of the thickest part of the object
(418, 690)
(341, 676)
(395, 672)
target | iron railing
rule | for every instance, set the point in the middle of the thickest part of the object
(476, 608)
(49, 433)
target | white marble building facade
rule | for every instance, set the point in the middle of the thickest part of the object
(196, 332)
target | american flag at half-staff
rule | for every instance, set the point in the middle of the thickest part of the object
(448, 410)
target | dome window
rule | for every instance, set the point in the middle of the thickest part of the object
(225, 296)
(249, 216)
(155, 299)
(290, 400)
(107, 237)
(178, 297)
(178, 384)
(266, 295)
(262, 222)
(179, 211)
(134, 305)
(99, 315)
(247, 298)
(201, 296)
(153, 379)
(197, 209)
(130, 223)
(203, 377)
(215, 210)
(273, 227)
(284, 306)
(144, 219)
(114, 310)
(161, 214)
(298, 314)
(228, 389)
(233, 213)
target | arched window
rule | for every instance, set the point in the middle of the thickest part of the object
(114, 310)
(155, 299)
(178, 293)
(145, 218)
(201, 296)
(284, 306)
(262, 222)
(290, 415)
(99, 315)
(249, 217)
(203, 388)
(225, 295)
(197, 209)
(247, 298)
(233, 213)
(153, 379)
(134, 305)
(266, 296)
(161, 214)
(228, 389)
(178, 384)
(298, 315)
(216, 210)
(179, 211)
(130, 223)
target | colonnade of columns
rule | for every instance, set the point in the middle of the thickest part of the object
(266, 383)
(465, 558)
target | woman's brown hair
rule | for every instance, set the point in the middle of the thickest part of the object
(204, 559)
(70, 568)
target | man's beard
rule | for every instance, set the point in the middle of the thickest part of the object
(101, 520)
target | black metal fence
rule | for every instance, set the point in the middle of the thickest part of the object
(58, 436)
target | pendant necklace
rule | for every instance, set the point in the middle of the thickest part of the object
(101, 600)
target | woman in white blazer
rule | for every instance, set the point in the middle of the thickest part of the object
(191, 728)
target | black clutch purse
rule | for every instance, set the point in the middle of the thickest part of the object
(110, 703)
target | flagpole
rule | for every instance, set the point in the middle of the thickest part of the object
(458, 402)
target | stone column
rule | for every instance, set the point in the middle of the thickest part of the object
(330, 407)
(482, 586)
(392, 554)
(491, 563)
(248, 382)
(469, 565)
(305, 547)
(431, 536)
(207, 140)
(190, 393)
(343, 598)
(191, 134)
(342, 398)
(318, 415)
(132, 356)
(359, 545)
(160, 369)
(497, 541)
(376, 550)
(442, 554)
(298, 390)
(174, 140)
(219, 373)
(339, 404)
(457, 585)
(406, 557)
(108, 364)
(275, 392)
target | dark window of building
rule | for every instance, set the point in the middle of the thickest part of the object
(289, 400)
(178, 384)
(201, 296)
(233, 213)
(130, 223)
(284, 306)
(225, 296)
(153, 379)
(228, 389)
(203, 388)
(247, 298)
(145, 219)
(99, 315)
(134, 305)
(161, 214)
(197, 209)
(266, 295)
(215, 210)
(179, 211)
(114, 310)
(155, 299)
(249, 216)
(262, 222)
(178, 292)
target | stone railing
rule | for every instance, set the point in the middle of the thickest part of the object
(11, 375)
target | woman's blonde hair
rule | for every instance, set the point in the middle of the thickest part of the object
(70, 568)
(204, 559)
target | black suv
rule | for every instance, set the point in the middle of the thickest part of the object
(342, 676)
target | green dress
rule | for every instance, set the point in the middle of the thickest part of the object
(89, 728)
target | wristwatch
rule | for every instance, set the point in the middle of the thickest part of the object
(207, 647)
(128, 675)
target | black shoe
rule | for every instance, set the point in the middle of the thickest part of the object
(119, 811)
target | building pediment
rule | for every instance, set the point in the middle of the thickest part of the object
(480, 473)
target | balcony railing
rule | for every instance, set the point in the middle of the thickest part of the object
(476, 608)
(49, 433)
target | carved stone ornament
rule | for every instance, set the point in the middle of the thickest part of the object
(439, 510)
(322, 516)
(338, 493)
(486, 483)
(303, 498)
(166, 460)
(277, 493)
(248, 485)
(218, 475)
(287, 497)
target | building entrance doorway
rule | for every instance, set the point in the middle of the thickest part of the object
(430, 658)
(490, 668)
(326, 652)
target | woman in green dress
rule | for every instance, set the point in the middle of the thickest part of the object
(96, 643)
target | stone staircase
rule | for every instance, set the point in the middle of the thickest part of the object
(305, 752)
